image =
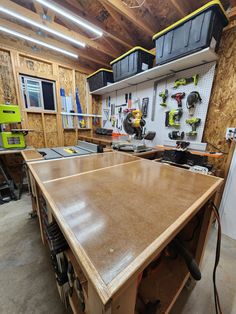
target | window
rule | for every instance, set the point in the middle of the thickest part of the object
(38, 93)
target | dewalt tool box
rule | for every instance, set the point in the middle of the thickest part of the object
(198, 30)
(132, 62)
(99, 79)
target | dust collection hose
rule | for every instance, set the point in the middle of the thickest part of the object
(192, 264)
(189, 260)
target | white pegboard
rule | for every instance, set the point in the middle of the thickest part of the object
(140, 91)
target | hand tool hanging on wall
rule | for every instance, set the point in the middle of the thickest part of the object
(192, 99)
(194, 123)
(173, 118)
(176, 135)
(126, 99)
(144, 107)
(178, 97)
(130, 101)
(79, 110)
(184, 81)
(164, 95)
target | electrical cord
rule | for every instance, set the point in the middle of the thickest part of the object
(217, 148)
(217, 258)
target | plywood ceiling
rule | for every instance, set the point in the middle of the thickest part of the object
(125, 23)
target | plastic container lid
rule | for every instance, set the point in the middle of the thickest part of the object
(129, 52)
(194, 13)
(102, 69)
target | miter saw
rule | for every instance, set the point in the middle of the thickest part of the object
(133, 125)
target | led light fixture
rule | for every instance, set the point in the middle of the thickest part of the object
(41, 26)
(70, 16)
(38, 42)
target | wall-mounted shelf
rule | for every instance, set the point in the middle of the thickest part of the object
(201, 57)
(80, 114)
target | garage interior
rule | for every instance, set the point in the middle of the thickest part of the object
(117, 156)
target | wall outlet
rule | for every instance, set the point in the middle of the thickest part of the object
(230, 133)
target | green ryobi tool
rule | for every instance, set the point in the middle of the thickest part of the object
(194, 123)
(184, 81)
(164, 95)
(173, 117)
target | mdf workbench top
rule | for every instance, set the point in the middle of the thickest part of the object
(119, 216)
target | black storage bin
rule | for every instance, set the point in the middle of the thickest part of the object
(99, 79)
(132, 62)
(198, 30)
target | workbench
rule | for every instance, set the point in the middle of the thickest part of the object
(118, 213)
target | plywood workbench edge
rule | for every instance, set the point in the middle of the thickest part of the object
(107, 292)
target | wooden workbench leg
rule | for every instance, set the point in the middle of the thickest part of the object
(124, 303)
(204, 233)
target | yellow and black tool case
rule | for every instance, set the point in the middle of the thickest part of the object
(99, 79)
(132, 62)
(198, 30)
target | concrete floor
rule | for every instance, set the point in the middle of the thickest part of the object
(27, 281)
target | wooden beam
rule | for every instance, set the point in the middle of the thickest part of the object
(118, 19)
(118, 6)
(51, 14)
(50, 41)
(179, 8)
(122, 40)
(38, 8)
(57, 27)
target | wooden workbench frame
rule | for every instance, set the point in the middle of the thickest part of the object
(112, 298)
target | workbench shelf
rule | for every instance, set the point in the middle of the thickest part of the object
(201, 57)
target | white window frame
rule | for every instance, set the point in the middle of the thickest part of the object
(31, 108)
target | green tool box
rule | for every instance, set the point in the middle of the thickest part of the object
(9, 114)
(12, 140)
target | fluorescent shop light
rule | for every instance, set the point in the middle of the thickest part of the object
(45, 28)
(70, 16)
(35, 41)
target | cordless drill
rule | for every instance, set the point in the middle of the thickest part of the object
(164, 95)
(178, 97)
(194, 123)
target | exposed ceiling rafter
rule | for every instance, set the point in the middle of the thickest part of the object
(130, 15)
(30, 33)
(57, 27)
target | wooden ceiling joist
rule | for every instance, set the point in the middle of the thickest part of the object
(117, 18)
(53, 42)
(118, 6)
(179, 7)
(38, 8)
(117, 37)
(57, 27)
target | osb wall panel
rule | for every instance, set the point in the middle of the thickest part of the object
(37, 66)
(222, 108)
(52, 139)
(35, 139)
(81, 84)
(35, 121)
(50, 122)
(69, 138)
(66, 80)
(96, 109)
(7, 85)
